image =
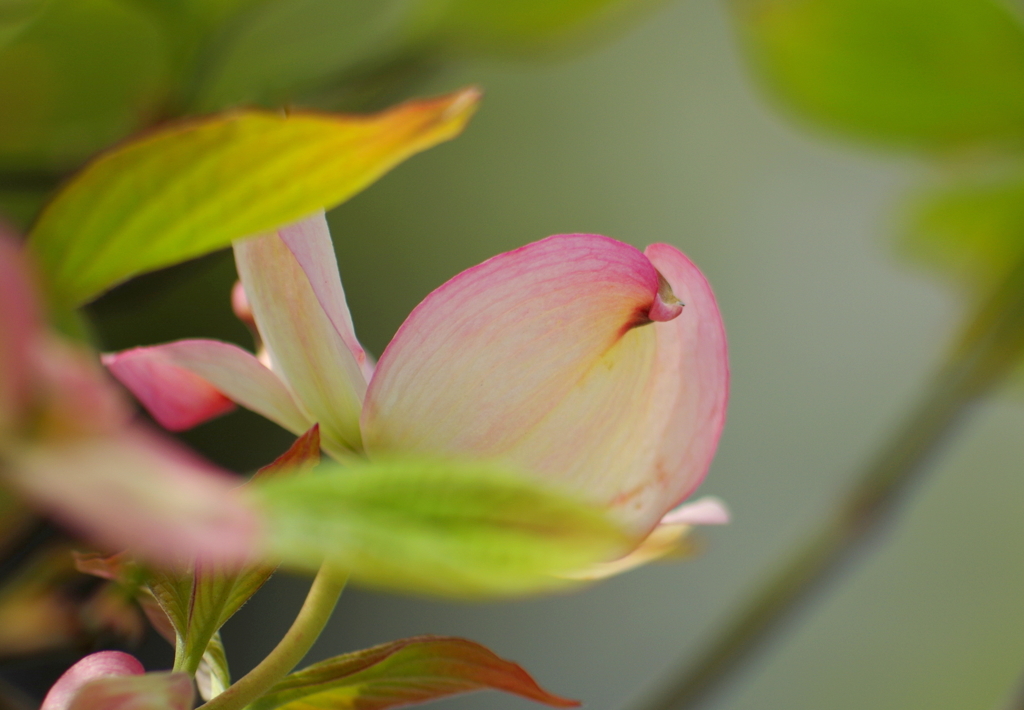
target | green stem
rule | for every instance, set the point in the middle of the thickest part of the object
(316, 610)
(990, 347)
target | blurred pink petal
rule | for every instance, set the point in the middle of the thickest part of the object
(152, 691)
(104, 664)
(306, 347)
(19, 327)
(75, 396)
(703, 511)
(693, 366)
(569, 358)
(138, 491)
(240, 305)
(187, 382)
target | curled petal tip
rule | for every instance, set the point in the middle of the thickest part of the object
(666, 306)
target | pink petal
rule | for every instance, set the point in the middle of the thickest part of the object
(316, 257)
(703, 511)
(19, 326)
(75, 396)
(104, 664)
(568, 358)
(138, 491)
(692, 352)
(308, 342)
(152, 691)
(187, 382)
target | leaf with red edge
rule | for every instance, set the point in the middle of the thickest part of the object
(413, 670)
(302, 456)
(200, 599)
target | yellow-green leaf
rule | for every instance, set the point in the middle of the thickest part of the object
(194, 187)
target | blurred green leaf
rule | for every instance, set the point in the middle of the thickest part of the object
(201, 598)
(194, 187)
(518, 26)
(86, 73)
(414, 670)
(280, 50)
(442, 527)
(971, 232)
(16, 15)
(921, 73)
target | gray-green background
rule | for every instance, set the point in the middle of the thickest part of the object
(660, 136)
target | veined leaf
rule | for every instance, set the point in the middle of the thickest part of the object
(414, 670)
(200, 599)
(194, 187)
(456, 528)
(921, 73)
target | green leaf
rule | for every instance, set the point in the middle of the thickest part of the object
(281, 50)
(524, 25)
(414, 670)
(201, 598)
(455, 528)
(922, 73)
(84, 74)
(194, 187)
(16, 15)
(152, 691)
(971, 232)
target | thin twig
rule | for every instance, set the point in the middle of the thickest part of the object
(989, 348)
(316, 610)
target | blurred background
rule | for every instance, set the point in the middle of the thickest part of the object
(652, 129)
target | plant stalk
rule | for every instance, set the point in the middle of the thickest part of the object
(316, 610)
(988, 350)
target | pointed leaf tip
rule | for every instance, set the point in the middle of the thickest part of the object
(196, 186)
(301, 456)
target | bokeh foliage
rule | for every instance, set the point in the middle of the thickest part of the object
(78, 75)
(942, 79)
